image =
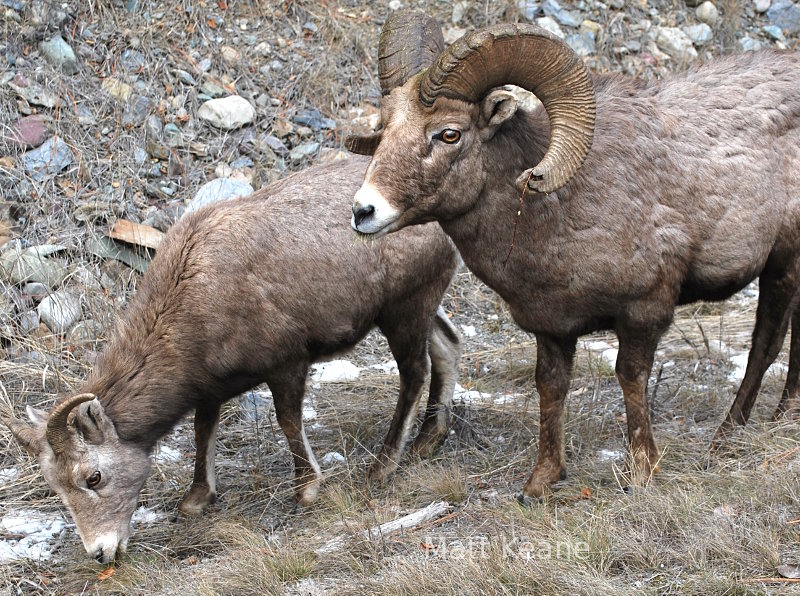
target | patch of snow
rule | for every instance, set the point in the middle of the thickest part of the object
(167, 454)
(390, 368)
(603, 349)
(610, 454)
(507, 398)
(309, 413)
(32, 531)
(740, 362)
(332, 458)
(8, 474)
(469, 396)
(468, 330)
(143, 515)
(335, 371)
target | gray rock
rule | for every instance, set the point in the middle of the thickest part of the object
(35, 291)
(314, 120)
(59, 311)
(459, 10)
(28, 322)
(748, 44)
(699, 34)
(567, 18)
(86, 332)
(132, 59)
(137, 110)
(219, 189)
(58, 53)
(227, 113)
(302, 151)
(786, 15)
(48, 160)
(774, 32)
(173, 136)
(212, 88)
(581, 43)
(33, 92)
(675, 43)
(33, 265)
(184, 77)
(528, 9)
(707, 13)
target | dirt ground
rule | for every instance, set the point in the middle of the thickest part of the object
(722, 523)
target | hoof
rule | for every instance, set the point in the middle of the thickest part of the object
(307, 491)
(198, 498)
(426, 443)
(528, 502)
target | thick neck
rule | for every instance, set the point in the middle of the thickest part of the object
(485, 235)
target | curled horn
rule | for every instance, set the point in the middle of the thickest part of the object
(57, 432)
(410, 41)
(534, 59)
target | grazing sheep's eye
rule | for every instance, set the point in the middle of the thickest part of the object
(94, 479)
(449, 136)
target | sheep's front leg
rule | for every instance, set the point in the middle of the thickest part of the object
(554, 358)
(634, 362)
(444, 349)
(288, 388)
(203, 491)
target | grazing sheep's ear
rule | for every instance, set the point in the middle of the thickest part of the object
(37, 416)
(497, 107)
(29, 437)
(91, 421)
(363, 144)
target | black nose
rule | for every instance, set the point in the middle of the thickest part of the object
(362, 213)
(98, 555)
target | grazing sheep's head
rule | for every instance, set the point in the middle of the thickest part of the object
(436, 124)
(97, 475)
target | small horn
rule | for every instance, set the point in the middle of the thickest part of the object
(410, 41)
(57, 433)
(535, 59)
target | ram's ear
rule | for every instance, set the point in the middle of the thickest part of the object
(91, 422)
(363, 144)
(29, 436)
(497, 107)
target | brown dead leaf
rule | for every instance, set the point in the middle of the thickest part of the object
(106, 573)
(135, 233)
(586, 493)
(211, 23)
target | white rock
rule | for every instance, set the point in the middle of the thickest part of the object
(550, 25)
(676, 43)
(707, 13)
(763, 5)
(219, 189)
(699, 34)
(227, 113)
(59, 311)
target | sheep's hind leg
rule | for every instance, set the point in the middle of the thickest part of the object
(554, 358)
(634, 362)
(789, 405)
(444, 348)
(777, 300)
(203, 491)
(288, 388)
(407, 335)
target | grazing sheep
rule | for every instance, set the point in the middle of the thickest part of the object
(243, 292)
(647, 194)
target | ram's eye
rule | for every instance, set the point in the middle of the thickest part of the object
(449, 136)
(94, 479)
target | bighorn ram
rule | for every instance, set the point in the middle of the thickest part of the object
(647, 194)
(244, 292)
